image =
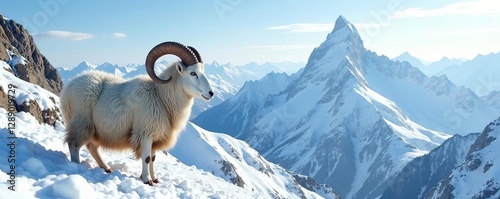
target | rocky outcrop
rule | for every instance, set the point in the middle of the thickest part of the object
(27, 63)
(48, 116)
(36, 69)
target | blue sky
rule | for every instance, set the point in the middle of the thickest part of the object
(239, 31)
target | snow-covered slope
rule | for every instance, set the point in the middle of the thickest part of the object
(478, 175)
(423, 173)
(25, 92)
(237, 162)
(240, 110)
(493, 99)
(42, 170)
(479, 74)
(350, 115)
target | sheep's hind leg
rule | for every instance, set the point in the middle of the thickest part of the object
(79, 132)
(74, 152)
(152, 168)
(146, 146)
(93, 149)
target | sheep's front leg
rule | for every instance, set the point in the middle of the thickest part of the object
(152, 168)
(146, 159)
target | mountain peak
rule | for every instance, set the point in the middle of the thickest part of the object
(341, 22)
(343, 31)
(406, 53)
(445, 59)
(86, 65)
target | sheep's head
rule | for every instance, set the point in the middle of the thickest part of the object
(191, 69)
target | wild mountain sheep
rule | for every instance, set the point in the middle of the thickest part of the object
(143, 114)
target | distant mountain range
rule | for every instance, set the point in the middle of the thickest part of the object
(226, 79)
(349, 119)
(479, 74)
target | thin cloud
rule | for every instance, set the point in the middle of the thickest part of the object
(481, 31)
(370, 25)
(471, 7)
(303, 27)
(278, 47)
(119, 35)
(64, 35)
(318, 27)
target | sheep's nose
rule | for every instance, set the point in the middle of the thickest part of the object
(211, 93)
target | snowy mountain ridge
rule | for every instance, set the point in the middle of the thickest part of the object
(478, 174)
(350, 115)
(237, 162)
(477, 74)
(423, 173)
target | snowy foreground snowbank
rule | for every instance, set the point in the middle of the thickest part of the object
(43, 170)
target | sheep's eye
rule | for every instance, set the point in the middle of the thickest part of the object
(193, 74)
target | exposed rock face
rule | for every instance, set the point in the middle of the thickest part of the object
(423, 173)
(480, 167)
(3, 98)
(27, 63)
(37, 69)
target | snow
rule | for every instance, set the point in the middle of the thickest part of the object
(478, 175)
(26, 91)
(484, 179)
(43, 170)
(74, 186)
(16, 59)
(255, 172)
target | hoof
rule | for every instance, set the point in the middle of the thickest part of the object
(108, 170)
(156, 181)
(150, 183)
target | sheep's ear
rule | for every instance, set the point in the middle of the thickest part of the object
(180, 68)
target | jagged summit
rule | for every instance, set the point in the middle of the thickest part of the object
(343, 31)
(343, 39)
(342, 22)
(86, 65)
